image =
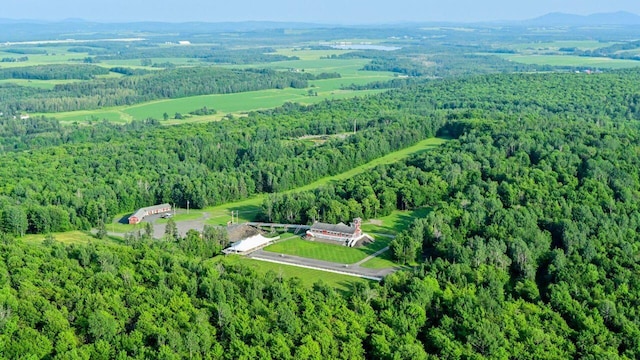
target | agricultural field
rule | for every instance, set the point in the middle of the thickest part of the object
(43, 84)
(246, 101)
(55, 56)
(557, 45)
(573, 61)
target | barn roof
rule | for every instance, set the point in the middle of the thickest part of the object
(341, 228)
(142, 212)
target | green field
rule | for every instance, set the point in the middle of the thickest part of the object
(60, 57)
(224, 103)
(183, 215)
(246, 101)
(308, 277)
(327, 252)
(70, 237)
(556, 45)
(396, 222)
(382, 261)
(311, 61)
(43, 84)
(418, 148)
(570, 60)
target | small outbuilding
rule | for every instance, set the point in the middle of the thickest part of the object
(146, 211)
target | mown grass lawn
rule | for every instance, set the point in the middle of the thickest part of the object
(308, 277)
(327, 252)
(381, 261)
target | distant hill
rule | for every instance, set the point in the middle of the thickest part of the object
(615, 18)
(25, 30)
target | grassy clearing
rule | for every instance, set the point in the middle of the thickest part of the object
(60, 57)
(223, 103)
(249, 208)
(327, 252)
(418, 148)
(43, 84)
(394, 223)
(569, 60)
(308, 277)
(70, 237)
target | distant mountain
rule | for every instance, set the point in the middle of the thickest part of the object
(563, 19)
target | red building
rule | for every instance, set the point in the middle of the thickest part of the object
(349, 235)
(141, 213)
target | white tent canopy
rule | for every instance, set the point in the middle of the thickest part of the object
(248, 244)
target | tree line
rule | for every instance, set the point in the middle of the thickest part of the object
(135, 89)
(54, 72)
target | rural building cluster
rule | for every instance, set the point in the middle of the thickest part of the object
(146, 211)
(348, 235)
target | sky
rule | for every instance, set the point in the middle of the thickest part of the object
(319, 11)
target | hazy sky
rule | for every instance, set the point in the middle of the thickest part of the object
(319, 11)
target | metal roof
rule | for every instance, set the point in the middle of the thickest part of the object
(340, 228)
(142, 212)
(249, 243)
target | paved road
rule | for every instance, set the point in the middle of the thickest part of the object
(347, 269)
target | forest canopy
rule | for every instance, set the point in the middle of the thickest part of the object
(529, 251)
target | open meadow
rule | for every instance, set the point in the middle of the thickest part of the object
(72, 237)
(311, 61)
(557, 45)
(572, 61)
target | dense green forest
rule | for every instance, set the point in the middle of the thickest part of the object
(135, 89)
(218, 55)
(54, 72)
(423, 61)
(101, 172)
(530, 249)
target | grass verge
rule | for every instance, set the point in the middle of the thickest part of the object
(308, 277)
